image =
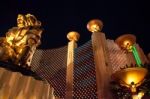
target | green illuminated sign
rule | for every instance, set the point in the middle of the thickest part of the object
(136, 56)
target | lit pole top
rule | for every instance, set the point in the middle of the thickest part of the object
(126, 41)
(95, 25)
(73, 36)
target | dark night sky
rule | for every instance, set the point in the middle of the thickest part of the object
(60, 17)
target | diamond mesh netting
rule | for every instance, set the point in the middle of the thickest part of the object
(84, 85)
(117, 57)
(51, 65)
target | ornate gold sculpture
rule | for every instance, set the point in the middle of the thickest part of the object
(20, 42)
(131, 78)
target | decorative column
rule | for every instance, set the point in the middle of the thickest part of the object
(73, 37)
(103, 71)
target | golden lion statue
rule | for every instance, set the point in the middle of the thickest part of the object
(21, 42)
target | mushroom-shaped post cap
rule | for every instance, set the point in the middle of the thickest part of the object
(126, 40)
(73, 36)
(95, 25)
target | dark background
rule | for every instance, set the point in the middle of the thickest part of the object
(60, 17)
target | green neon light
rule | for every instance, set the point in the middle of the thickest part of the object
(136, 56)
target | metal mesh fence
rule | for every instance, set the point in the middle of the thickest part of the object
(117, 57)
(84, 85)
(51, 65)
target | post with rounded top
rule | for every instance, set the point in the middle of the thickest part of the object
(73, 37)
(103, 71)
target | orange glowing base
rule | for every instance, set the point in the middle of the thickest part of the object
(130, 77)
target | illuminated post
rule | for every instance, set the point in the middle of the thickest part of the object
(103, 71)
(73, 37)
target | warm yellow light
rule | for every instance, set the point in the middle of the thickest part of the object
(95, 25)
(130, 77)
(133, 77)
(138, 96)
(125, 41)
(95, 28)
(73, 36)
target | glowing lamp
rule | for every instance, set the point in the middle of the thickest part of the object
(126, 41)
(130, 77)
(73, 36)
(95, 25)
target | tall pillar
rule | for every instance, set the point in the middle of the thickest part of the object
(73, 37)
(103, 71)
